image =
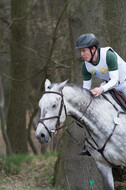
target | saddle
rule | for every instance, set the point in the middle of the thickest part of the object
(119, 97)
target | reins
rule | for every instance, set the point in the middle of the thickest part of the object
(54, 117)
(58, 127)
(101, 150)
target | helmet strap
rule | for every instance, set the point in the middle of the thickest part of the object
(92, 54)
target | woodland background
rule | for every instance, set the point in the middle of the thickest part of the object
(37, 40)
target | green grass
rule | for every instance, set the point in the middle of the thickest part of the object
(25, 172)
(12, 164)
(32, 188)
(21, 172)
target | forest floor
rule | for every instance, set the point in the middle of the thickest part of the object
(29, 172)
(20, 172)
(26, 172)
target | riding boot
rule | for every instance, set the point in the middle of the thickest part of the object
(85, 152)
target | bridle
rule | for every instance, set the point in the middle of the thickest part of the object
(58, 127)
(100, 150)
(54, 117)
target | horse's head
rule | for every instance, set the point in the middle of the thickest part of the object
(52, 111)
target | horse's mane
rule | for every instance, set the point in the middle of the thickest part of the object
(82, 92)
(74, 86)
(79, 89)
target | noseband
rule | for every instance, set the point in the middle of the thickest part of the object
(54, 117)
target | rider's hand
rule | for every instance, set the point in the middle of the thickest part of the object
(97, 91)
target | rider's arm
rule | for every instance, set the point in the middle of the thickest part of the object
(86, 77)
(112, 82)
(111, 60)
(87, 84)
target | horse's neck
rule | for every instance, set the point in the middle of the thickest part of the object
(76, 100)
(97, 114)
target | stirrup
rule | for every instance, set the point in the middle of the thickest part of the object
(84, 153)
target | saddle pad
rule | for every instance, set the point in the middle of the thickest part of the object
(119, 97)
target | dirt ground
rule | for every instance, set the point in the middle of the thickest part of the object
(34, 174)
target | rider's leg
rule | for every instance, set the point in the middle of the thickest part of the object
(122, 87)
(84, 150)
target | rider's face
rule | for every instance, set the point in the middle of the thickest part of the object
(85, 54)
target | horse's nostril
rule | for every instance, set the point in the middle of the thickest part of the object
(43, 136)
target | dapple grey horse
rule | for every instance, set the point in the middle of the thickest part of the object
(104, 121)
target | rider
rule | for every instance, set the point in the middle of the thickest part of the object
(104, 63)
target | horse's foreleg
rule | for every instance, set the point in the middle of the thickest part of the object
(106, 172)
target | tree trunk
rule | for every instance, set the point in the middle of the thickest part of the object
(75, 172)
(100, 18)
(5, 137)
(16, 120)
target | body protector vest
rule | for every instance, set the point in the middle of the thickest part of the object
(101, 69)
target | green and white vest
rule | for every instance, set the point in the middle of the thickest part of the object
(101, 69)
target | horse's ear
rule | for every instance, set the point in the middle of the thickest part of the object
(61, 85)
(47, 84)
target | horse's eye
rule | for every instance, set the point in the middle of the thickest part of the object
(54, 106)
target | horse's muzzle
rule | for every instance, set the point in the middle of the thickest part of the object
(41, 137)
